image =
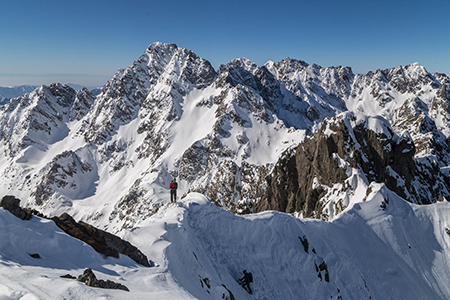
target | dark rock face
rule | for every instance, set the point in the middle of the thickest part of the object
(102, 241)
(322, 268)
(12, 204)
(89, 278)
(290, 187)
(301, 176)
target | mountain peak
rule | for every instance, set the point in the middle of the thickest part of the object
(158, 46)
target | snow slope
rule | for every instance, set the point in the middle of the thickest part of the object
(27, 278)
(399, 253)
(199, 250)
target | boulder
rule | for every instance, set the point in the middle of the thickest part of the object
(12, 204)
(89, 278)
(102, 241)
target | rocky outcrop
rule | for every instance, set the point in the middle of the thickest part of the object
(102, 241)
(323, 162)
(228, 296)
(12, 204)
(89, 278)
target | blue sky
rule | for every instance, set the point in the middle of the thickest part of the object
(85, 42)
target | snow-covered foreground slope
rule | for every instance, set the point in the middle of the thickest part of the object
(27, 278)
(399, 253)
(200, 250)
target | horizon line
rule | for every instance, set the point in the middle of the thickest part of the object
(52, 75)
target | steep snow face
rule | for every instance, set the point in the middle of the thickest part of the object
(367, 253)
(397, 250)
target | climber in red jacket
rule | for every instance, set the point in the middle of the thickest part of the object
(173, 190)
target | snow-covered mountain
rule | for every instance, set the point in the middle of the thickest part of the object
(220, 132)
(287, 136)
(394, 132)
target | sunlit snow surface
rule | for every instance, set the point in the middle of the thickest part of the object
(398, 253)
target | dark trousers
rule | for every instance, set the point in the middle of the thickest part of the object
(246, 285)
(173, 195)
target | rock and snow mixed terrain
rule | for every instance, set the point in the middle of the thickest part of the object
(316, 142)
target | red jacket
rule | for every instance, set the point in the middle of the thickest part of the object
(173, 185)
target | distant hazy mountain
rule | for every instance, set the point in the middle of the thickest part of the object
(3, 100)
(16, 91)
(7, 93)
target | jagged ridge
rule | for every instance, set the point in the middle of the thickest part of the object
(220, 132)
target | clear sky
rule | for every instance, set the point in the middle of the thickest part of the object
(85, 42)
